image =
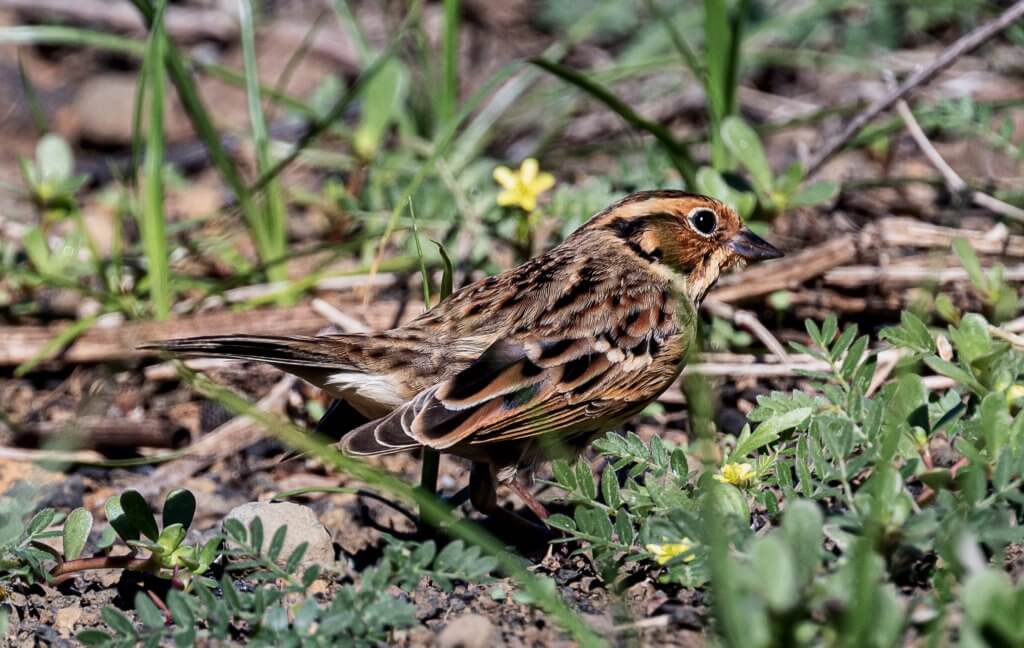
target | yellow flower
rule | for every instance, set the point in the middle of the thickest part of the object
(666, 552)
(1015, 392)
(737, 474)
(523, 186)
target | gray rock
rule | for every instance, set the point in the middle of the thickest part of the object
(467, 631)
(303, 526)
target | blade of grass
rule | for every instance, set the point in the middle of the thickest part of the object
(35, 108)
(449, 63)
(61, 340)
(430, 464)
(348, 22)
(296, 58)
(435, 511)
(680, 154)
(271, 226)
(732, 78)
(717, 46)
(138, 111)
(153, 224)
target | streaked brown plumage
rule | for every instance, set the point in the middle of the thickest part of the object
(535, 362)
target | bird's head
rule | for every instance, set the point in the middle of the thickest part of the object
(688, 237)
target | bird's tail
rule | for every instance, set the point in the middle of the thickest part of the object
(283, 351)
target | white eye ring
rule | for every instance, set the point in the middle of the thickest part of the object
(699, 221)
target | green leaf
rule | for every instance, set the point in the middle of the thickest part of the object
(119, 520)
(276, 542)
(745, 146)
(610, 488)
(171, 537)
(563, 474)
(624, 528)
(76, 532)
(93, 637)
(256, 534)
(773, 568)
(177, 602)
(446, 278)
(955, 372)
(118, 621)
(208, 554)
(768, 432)
(969, 260)
(585, 480)
(38, 252)
(148, 612)
(814, 194)
(40, 521)
(986, 595)
(382, 99)
(54, 159)
(179, 508)
(139, 514)
(802, 523)
(561, 522)
(971, 338)
(911, 334)
(295, 557)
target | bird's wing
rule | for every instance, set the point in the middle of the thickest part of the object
(403, 360)
(528, 385)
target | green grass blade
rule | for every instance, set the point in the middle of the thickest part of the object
(56, 35)
(680, 154)
(717, 44)
(348, 22)
(449, 62)
(154, 225)
(35, 108)
(61, 340)
(431, 462)
(269, 229)
(732, 78)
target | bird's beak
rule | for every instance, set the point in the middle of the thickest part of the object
(752, 247)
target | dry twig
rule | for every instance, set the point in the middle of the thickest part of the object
(954, 182)
(964, 45)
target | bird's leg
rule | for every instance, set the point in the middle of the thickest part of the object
(484, 496)
(459, 498)
(523, 491)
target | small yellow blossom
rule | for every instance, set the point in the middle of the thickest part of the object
(1015, 392)
(666, 552)
(523, 186)
(737, 474)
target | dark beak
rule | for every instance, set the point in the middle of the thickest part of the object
(752, 247)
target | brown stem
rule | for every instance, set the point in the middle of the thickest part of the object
(68, 569)
(168, 619)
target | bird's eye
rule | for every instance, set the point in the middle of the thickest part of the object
(704, 221)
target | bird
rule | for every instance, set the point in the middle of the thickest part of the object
(531, 364)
